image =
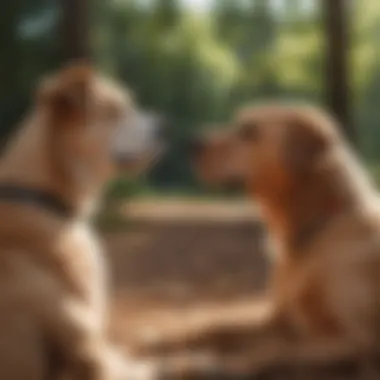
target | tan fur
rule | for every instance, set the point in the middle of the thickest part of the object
(324, 215)
(53, 286)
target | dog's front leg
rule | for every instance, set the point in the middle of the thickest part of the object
(124, 367)
(112, 365)
(310, 356)
(275, 358)
(214, 335)
(72, 324)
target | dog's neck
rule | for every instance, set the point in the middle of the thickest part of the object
(28, 162)
(298, 216)
(296, 219)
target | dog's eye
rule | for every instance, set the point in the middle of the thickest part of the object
(248, 132)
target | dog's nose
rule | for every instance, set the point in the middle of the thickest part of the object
(196, 145)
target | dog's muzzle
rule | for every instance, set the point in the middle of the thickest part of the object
(142, 138)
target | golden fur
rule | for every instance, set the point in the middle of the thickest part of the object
(323, 213)
(53, 285)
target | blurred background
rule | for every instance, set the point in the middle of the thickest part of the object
(197, 60)
(178, 248)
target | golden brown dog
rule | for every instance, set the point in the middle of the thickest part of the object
(323, 212)
(53, 286)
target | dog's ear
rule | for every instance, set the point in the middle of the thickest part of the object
(67, 94)
(305, 142)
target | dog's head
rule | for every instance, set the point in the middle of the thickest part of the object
(267, 148)
(96, 125)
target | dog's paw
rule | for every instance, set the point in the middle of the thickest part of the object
(190, 366)
(140, 371)
(127, 368)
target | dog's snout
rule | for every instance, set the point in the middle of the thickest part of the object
(196, 145)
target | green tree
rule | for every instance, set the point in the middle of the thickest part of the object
(28, 35)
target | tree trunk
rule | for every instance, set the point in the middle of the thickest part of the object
(337, 68)
(75, 25)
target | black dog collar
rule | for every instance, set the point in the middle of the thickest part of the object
(39, 198)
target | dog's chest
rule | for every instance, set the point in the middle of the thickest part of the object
(83, 265)
(330, 289)
(300, 291)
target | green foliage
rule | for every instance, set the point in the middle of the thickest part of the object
(28, 37)
(196, 66)
(122, 188)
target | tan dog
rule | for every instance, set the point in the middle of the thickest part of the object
(323, 212)
(53, 286)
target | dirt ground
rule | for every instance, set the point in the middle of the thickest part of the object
(179, 260)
